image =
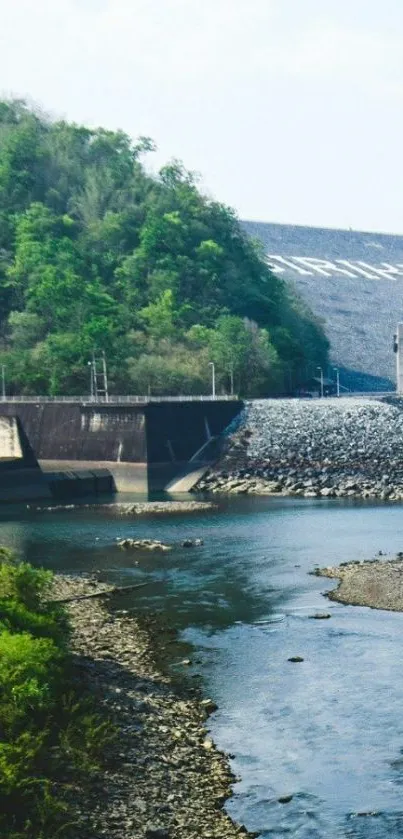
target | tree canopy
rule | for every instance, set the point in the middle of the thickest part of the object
(98, 255)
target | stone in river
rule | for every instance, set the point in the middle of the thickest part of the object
(143, 544)
(209, 705)
(192, 543)
(320, 616)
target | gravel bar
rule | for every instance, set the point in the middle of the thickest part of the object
(164, 779)
(137, 508)
(376, 583)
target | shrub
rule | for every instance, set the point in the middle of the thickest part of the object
(23, 604)
(30, 670)
(49, 734)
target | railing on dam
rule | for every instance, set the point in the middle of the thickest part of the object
(118, 400)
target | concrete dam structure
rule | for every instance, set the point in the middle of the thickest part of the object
(354, 282)
(147, 445)
(20, 475)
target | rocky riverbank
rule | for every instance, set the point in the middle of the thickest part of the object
(165, 778)
(320, 448)
(376, 583)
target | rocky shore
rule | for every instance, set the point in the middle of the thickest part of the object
(374, 583)
(165, 779)
(319, 448)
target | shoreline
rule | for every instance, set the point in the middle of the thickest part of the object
(344, 486)
(164, 778)
(377, 584)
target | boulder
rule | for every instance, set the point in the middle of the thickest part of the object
(192, 543)
(320, 616)
(143, 544)
(209, 705)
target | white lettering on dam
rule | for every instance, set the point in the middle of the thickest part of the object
(310, 266)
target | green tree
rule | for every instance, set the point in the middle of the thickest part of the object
(96, 254)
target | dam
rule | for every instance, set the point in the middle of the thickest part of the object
(146, 444)
(353, 282)
(20, 475)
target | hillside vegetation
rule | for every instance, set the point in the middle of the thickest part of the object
(97, 255)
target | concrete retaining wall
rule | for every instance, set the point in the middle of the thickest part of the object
(10, 444)
(72, 431)
(145, 446)
(21, 478)
(70, 484)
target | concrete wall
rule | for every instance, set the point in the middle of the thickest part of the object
(71, 484)
(180, 439)
(176, 430)
(144, 446)
(71, 431)
(10, 444)
(21, 478)
(126, 477)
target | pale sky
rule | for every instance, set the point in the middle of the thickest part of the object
(291, 110)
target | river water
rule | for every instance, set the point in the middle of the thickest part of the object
(327, 731)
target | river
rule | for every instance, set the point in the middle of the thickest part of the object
(327, 731)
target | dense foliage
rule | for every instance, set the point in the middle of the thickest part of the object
(49, 735)
(97, 255)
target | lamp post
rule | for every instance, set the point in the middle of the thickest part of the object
(321, 381)
(91, 366)
(398, 347)
(336, 369)
(211, 364)
(3, 381)
(231, 378)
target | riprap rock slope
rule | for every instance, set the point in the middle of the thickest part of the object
(314, 448)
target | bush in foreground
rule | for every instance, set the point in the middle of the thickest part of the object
(50, 737)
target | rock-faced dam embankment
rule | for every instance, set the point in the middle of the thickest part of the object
(314, 448)
(351, 280)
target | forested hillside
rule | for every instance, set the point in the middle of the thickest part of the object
(97, 255)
